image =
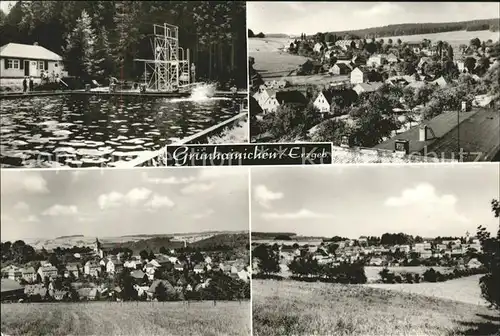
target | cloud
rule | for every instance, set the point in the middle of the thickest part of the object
(422, 193)
(196, 188)
(158, 201)
(21, 206)
(423, 198)
(381, 8)
(137, 195)
(203, 214)
(61, 210)
(115, 199)
(22, 181)
(111, 200)
(31, 219)
(167, 180)
(264, 196)
(301, 214)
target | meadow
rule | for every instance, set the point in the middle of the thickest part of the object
(463, 289)
(127, 318)
(298, 308)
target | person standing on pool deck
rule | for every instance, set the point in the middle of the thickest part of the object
(25, 84)
(31, 84)
(193, 73)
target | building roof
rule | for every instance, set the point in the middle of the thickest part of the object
(29, 270)
(8, 285)
(17, 50)
(369, 87)
(137, 274)
(444, 127)
(291, 97)
(342, 66)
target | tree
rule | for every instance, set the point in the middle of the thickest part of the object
(470, 64)
(79, 49)
(268, 259)
(490, 258)
(331, 130)
(144, 255)
(161, 292)
(475, 42)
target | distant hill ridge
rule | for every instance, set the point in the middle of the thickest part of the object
(413, 29)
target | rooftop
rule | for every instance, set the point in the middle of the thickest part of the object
(479, 134)
(28, 51)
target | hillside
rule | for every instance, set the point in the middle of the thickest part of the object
(421, 28)
(270, 235)
(233, 240)
(299, 308)
(223, 241)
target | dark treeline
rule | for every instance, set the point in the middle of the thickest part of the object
(102, 38)
(420, 28)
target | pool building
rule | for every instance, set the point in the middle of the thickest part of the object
(20, 60)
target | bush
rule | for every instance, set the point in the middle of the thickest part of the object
(430, 275)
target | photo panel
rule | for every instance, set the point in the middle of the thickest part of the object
(110, 84)
(125, 252)
(391, 82)
(375, 250)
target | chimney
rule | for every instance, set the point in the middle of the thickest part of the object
(422, 135)
(35, 44)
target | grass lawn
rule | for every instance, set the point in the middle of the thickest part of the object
(463, 289)
(128, 318)
(298, 308)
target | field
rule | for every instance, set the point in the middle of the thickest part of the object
(463, 289)
(454, 38)
(134, 319)
(297, 308)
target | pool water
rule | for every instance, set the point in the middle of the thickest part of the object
(93, 131)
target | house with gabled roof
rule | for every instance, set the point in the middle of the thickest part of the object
(20, 60)
(367, 87)
(340, 69)
(323, 101)
(114, 266)
(92, 268)
(47, 271)
(358, 75)
(280, 98)
(29, 274)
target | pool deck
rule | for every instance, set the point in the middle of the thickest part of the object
(218, 94)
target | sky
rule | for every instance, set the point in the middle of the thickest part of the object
(351, 201)
(5, 5)
(106, 203)
(316, 16)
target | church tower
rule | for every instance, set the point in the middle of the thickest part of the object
(98, 249)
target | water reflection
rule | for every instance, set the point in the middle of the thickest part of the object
(82, 131)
